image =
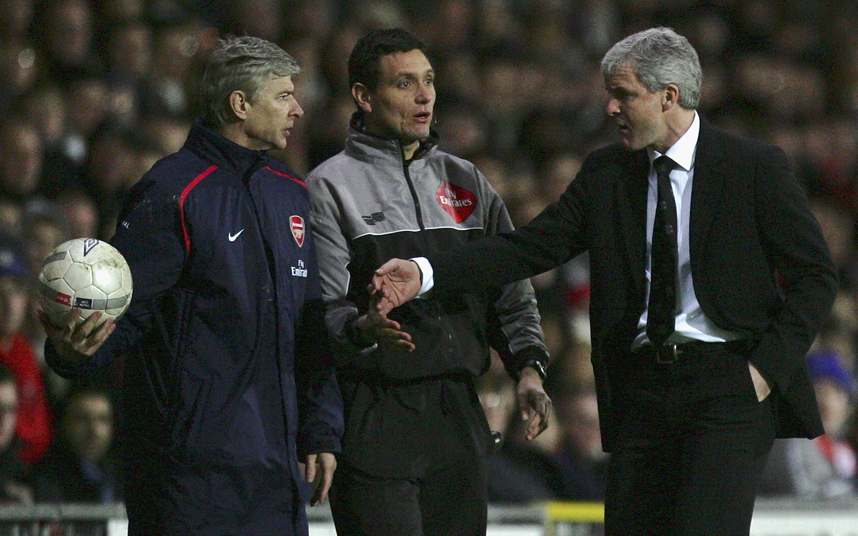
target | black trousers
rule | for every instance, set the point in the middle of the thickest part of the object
(414, 459)
(693, 444)
(448, 500)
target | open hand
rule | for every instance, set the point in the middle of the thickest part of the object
(396, 282)
(374, 327)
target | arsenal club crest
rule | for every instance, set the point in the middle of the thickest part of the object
(296, 223)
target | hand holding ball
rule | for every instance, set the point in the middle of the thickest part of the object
(88, 274)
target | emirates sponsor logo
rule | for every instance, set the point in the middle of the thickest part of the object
(300, 270)
(458, 202)
(296, 223)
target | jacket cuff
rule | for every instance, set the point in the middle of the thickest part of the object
(526, 354)
(318, 445)
(354, 336)
(65, 368)
(427, 275)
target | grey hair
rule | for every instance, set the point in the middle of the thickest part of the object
(240, 64)
(658, 57)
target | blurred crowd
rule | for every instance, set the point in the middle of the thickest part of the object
(95, 91)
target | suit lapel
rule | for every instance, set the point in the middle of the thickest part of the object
(632, 196)
(709, 176)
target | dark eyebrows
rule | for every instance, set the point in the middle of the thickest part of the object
(410, 74)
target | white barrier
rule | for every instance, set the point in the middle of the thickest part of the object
(791, 517)
(787, 517)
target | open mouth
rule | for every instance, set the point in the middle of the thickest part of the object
(423, 117)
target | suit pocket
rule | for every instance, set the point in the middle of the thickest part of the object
(747, 383)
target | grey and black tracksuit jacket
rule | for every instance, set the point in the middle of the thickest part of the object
(368, 206)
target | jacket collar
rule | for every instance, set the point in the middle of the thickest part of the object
(365, 146)
(221, 151)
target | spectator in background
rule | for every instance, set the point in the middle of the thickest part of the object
(45, 107)
(579, 457)
(838, 228)
(567, 465)
(87, 108)
(165, 133)
(824, 467)
(19, 68)
(45, 227)
(14, 472)
(79, 466)
(21, 159)
(519, 472)
(16, 352)
(175, 45)
(11, 217)
(81, 212)
(129, 51)
(108, 173)
(65, 34)
(15, 19)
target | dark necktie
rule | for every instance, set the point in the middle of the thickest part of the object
(661, 312)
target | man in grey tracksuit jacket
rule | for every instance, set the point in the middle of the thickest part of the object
(409, 413)
(416, 438)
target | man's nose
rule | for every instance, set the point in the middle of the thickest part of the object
(612, 107)
(424, 95)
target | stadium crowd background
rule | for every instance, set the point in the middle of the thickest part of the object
(95, 91)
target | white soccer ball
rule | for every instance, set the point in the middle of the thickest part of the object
(86, 273)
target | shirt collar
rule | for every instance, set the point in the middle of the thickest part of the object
(682, 152)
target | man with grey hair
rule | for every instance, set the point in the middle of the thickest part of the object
(227, 379)
(710, 278)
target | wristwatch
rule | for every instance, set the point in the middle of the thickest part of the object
(535, 364)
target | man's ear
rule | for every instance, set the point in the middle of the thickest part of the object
(238, 103)
(670, 97)
(362, 95)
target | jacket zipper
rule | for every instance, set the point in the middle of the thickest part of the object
(405, 165)
(419, 212)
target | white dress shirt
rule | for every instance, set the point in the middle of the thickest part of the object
(691, 322)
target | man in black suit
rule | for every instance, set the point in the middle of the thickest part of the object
(696, 378)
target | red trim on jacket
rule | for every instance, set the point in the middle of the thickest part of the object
(185, 193)
(290, 177)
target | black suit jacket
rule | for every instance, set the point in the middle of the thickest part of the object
(758, 258)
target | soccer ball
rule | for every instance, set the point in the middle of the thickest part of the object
(85, 273)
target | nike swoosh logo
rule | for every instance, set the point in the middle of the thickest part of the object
(232, 237)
